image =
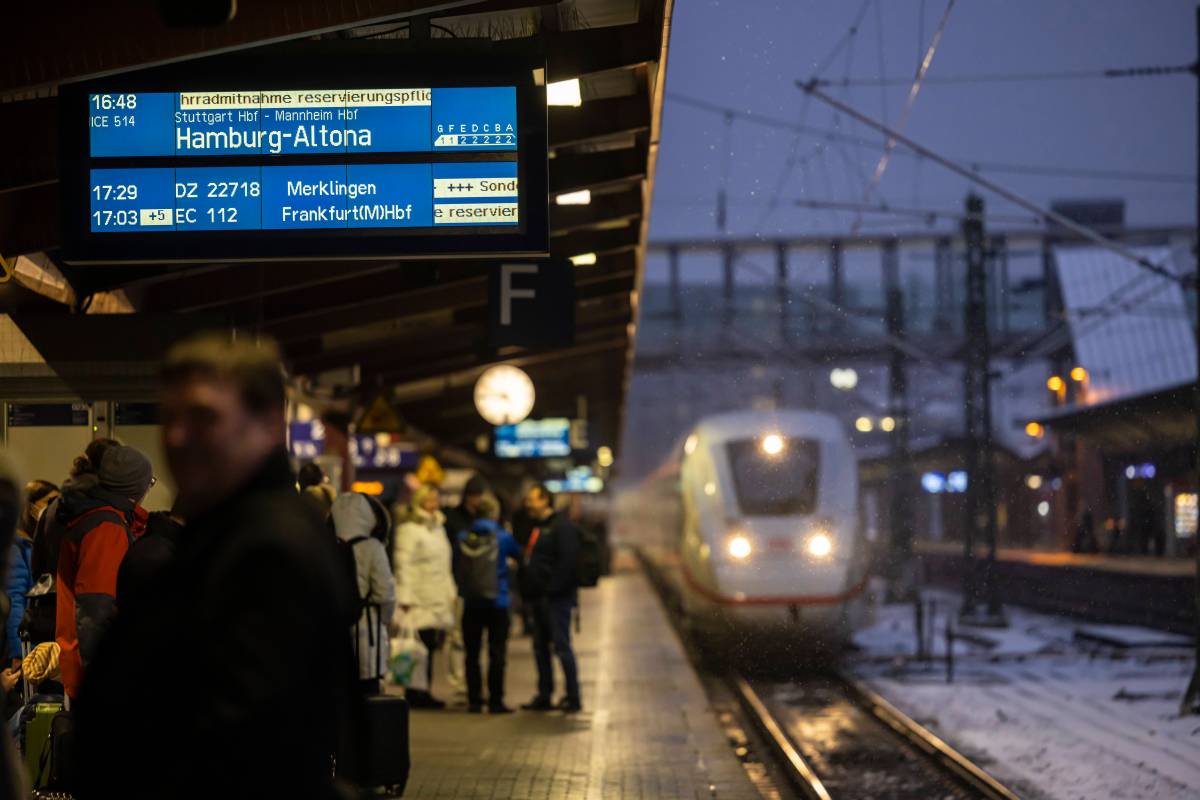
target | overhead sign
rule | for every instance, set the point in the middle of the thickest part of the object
(532, 304)
(44, 415)
(534, 438)
(332, 154)
(577, 481)
(137, 414)
(306, 441)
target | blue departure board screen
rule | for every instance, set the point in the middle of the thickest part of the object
(415, 170)
(534, 438)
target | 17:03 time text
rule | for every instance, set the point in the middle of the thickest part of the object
(106, 218)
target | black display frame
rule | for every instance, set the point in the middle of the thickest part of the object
(318, 65)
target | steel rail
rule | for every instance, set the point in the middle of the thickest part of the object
(801, 775)
(964, 770)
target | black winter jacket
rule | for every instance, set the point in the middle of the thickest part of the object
(235, 679)
(551, 569)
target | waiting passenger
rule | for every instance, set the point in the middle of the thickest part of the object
(425, 589)
(235, 680)
(13, 781)
(357, 520)
(19, 579)
(458, 519)
(100, 524)
(316, 488)
(549, 583)
(481, 571)
(148, 558)
(41, 613)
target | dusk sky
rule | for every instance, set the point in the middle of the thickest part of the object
(747, 55)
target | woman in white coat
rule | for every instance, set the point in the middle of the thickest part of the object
(425, 589)
(362, 525)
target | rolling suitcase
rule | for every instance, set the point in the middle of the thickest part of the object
(381, 757)
(385, 763)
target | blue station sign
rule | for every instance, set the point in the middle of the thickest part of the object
(378, 158)
(534, 438)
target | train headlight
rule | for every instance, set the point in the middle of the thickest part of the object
(739, 547)
(819, 545)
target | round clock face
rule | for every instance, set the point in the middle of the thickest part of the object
(504, 395)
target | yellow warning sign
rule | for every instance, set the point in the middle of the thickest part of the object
(430, 471)
(380, 417)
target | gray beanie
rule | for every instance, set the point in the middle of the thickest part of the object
(125, 471)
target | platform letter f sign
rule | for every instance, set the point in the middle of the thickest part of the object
(508, 293)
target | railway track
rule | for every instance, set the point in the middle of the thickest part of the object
(838, 739)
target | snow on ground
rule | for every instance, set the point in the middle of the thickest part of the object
(1052, 707)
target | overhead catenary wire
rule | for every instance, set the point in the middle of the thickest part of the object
(909, 103)
(922, 213)
(1019, 77)
(1009, 195)
(883, 103)
(790, 162)
(1048, 170)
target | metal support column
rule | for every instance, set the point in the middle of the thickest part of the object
(979, 517)
(1191, 697)
(836, 289)
(784, 300)
(727, 259)
(901, 569)
(943, 281)
(673, 273)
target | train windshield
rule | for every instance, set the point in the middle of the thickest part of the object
(777, 484)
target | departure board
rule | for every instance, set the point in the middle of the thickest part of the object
(416, 168)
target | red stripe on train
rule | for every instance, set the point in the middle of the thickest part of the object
(796, 600)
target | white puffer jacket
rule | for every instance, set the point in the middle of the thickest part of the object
(424, 579)
(353, 517)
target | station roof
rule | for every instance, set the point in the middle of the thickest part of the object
(420, 327)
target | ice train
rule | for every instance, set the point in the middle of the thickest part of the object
(752, 524)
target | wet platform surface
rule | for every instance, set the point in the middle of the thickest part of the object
(647, 730)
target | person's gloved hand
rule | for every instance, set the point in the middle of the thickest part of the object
(10, 678)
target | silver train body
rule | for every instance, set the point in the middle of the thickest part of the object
(753, 526)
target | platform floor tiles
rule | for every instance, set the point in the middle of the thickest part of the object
(647, 730)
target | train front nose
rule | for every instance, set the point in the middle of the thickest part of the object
(782, 560)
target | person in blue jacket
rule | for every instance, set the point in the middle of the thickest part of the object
(481, 559)
(19, 579)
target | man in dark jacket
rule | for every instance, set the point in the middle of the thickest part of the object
(549, 583)
(234, 681)
(463, 516)
(150, 554)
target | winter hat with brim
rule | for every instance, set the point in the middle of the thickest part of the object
(125, 471)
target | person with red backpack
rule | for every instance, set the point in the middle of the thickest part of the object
(100, 522)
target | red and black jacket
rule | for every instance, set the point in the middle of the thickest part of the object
(98, 529)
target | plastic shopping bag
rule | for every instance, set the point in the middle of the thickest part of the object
(408, 660)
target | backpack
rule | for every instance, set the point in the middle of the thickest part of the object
(41, 602)
(476, 566)
(591, 558)
(349, 569)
